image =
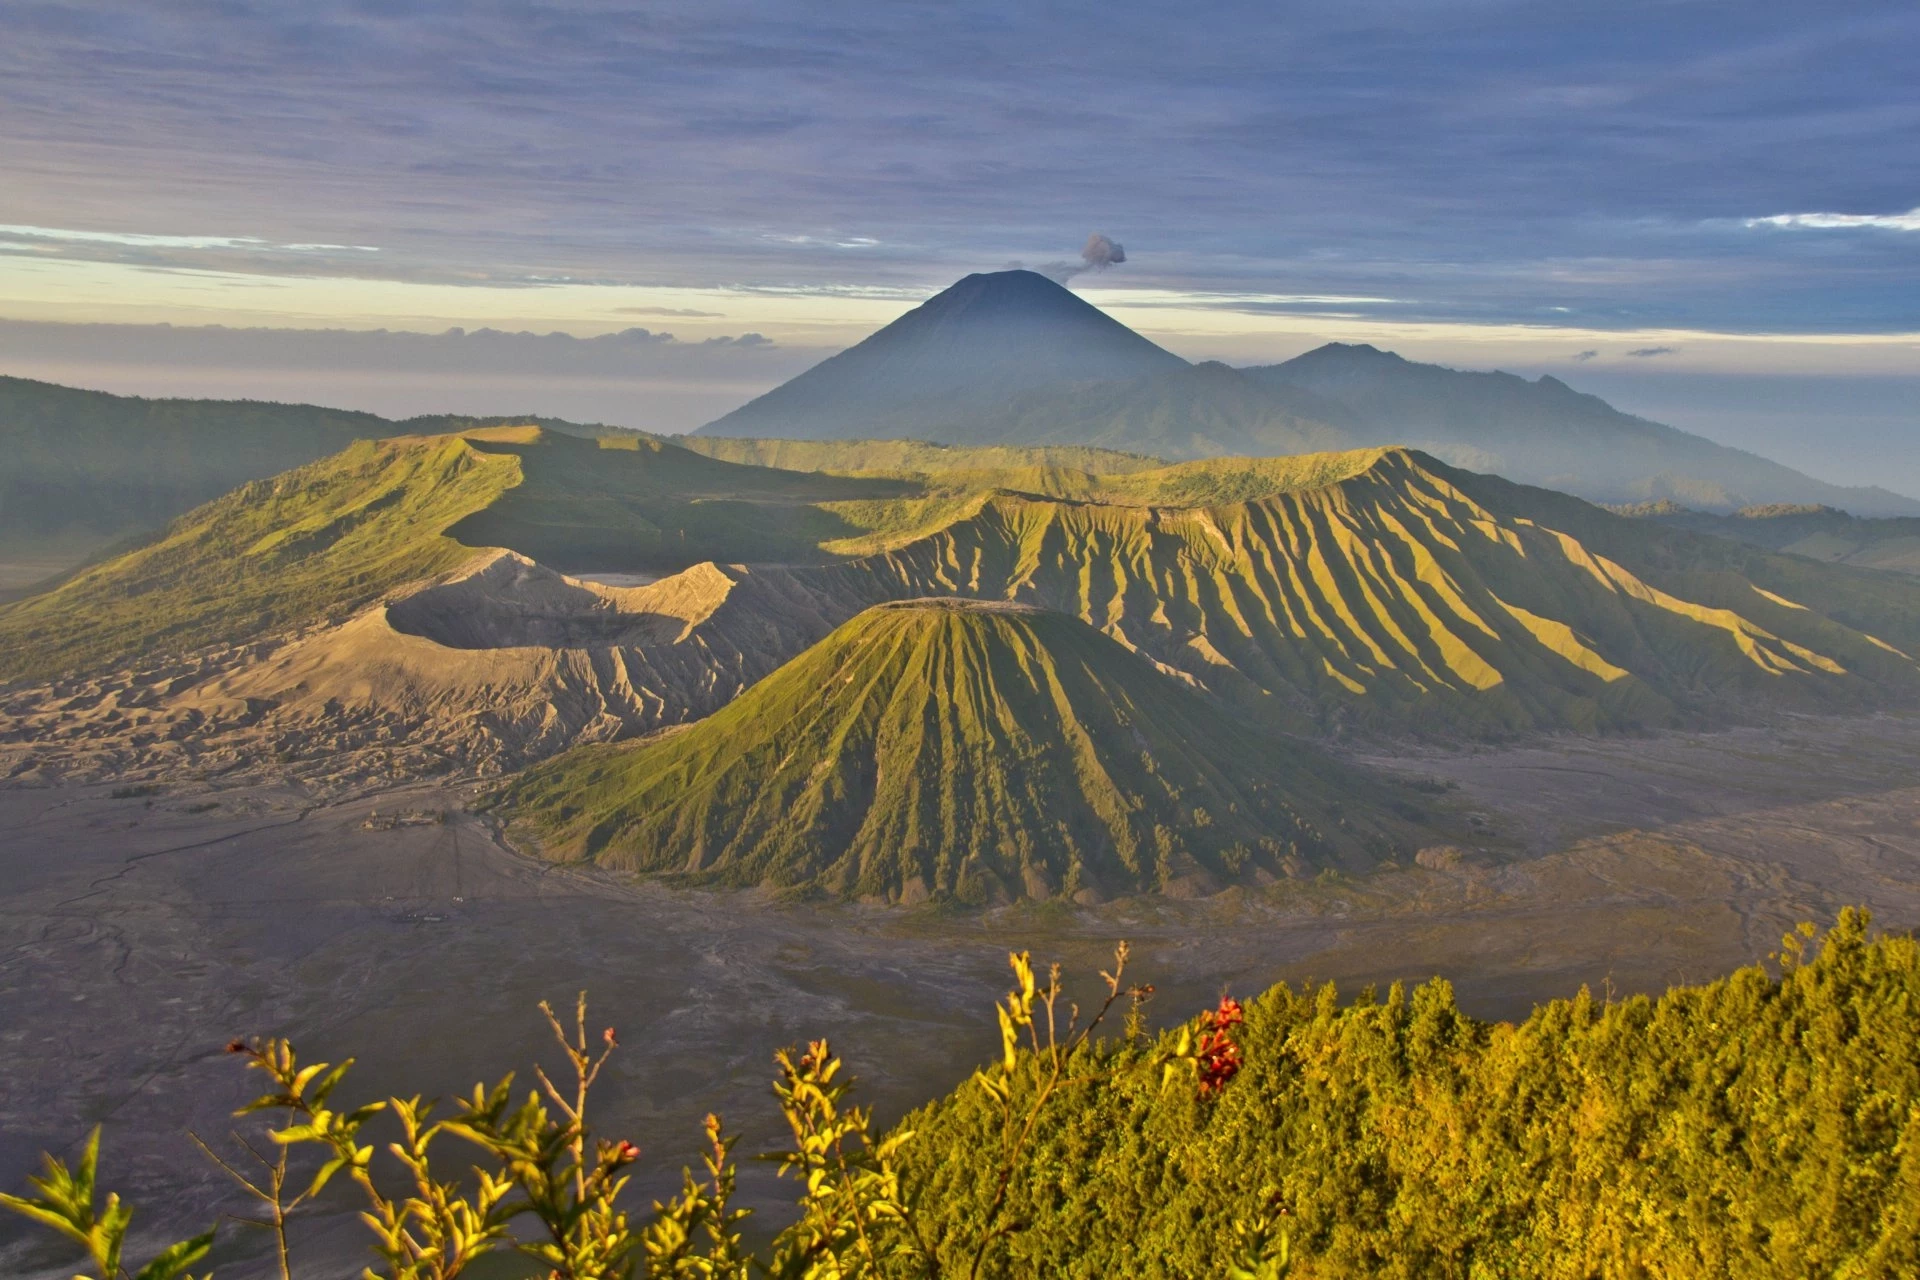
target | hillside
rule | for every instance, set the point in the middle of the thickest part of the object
(410, 617)
(1012, 359)
(1383, 591)
(325, 539)
(1199, 411)
(1816, 532)
(912, 457)
(1545, 433)
(86, 469)
(959, 749)
(962, 353)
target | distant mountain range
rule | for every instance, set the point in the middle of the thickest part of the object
(1012, 358)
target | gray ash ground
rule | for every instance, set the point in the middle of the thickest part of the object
(143, 931)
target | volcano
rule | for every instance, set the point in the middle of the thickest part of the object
(966, 750)
(958, 357)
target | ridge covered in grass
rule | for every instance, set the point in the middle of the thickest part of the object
(1380, 589)
(957, 749)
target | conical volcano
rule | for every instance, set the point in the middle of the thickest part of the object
(963, 750)
(961, 354)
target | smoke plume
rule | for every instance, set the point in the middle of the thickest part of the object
(1101, 252)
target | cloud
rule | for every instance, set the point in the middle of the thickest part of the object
(1908, 221)
(1584, 356)
(142, 240)
(454, 351)
(687, 313)
(1337, 149)
(636, 377)
(1649, 352)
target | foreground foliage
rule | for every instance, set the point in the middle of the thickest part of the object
(1751, 1127)
(546, 1187)
(1757, 1126)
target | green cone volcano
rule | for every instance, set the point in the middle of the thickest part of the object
(958, 749)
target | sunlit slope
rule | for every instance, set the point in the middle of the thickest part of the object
(1381, 589)
(314, 543)
(954, 748)
(319, 542)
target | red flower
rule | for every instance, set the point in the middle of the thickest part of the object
(1229, 1015)
(1217, 1058)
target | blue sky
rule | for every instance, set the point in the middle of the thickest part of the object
(1484, 183)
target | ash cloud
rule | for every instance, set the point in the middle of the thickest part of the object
(1100, 252)
(1646, 353)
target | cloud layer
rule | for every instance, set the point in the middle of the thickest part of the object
(1478, 159)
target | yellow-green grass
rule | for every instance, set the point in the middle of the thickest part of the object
(954, 749)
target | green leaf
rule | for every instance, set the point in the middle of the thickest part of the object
(175, 1258)
(40, 1212)
(83, 1173)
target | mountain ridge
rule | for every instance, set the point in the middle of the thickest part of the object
(959, 372)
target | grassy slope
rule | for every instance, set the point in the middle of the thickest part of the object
(314, 543)
(642, 503)
(326, 538)
(954, 749)
(1747, 1127)
(1377, 589)
(1374, 588)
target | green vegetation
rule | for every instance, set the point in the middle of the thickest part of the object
(1381, 590)
(86, 469)
(1751, 1127)
(315, 543)
(1816, 532)
(1375, 590)
(946, 748)
(1756, 1126)
(635, 502)
(910, 457)
(548, 1189)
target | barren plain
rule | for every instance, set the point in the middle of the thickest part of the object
(148, 925)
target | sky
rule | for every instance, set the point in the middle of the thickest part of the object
(1707, 212)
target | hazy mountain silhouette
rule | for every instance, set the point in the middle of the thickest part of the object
(1544, 432)
(1012, 358)
(954, 360)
